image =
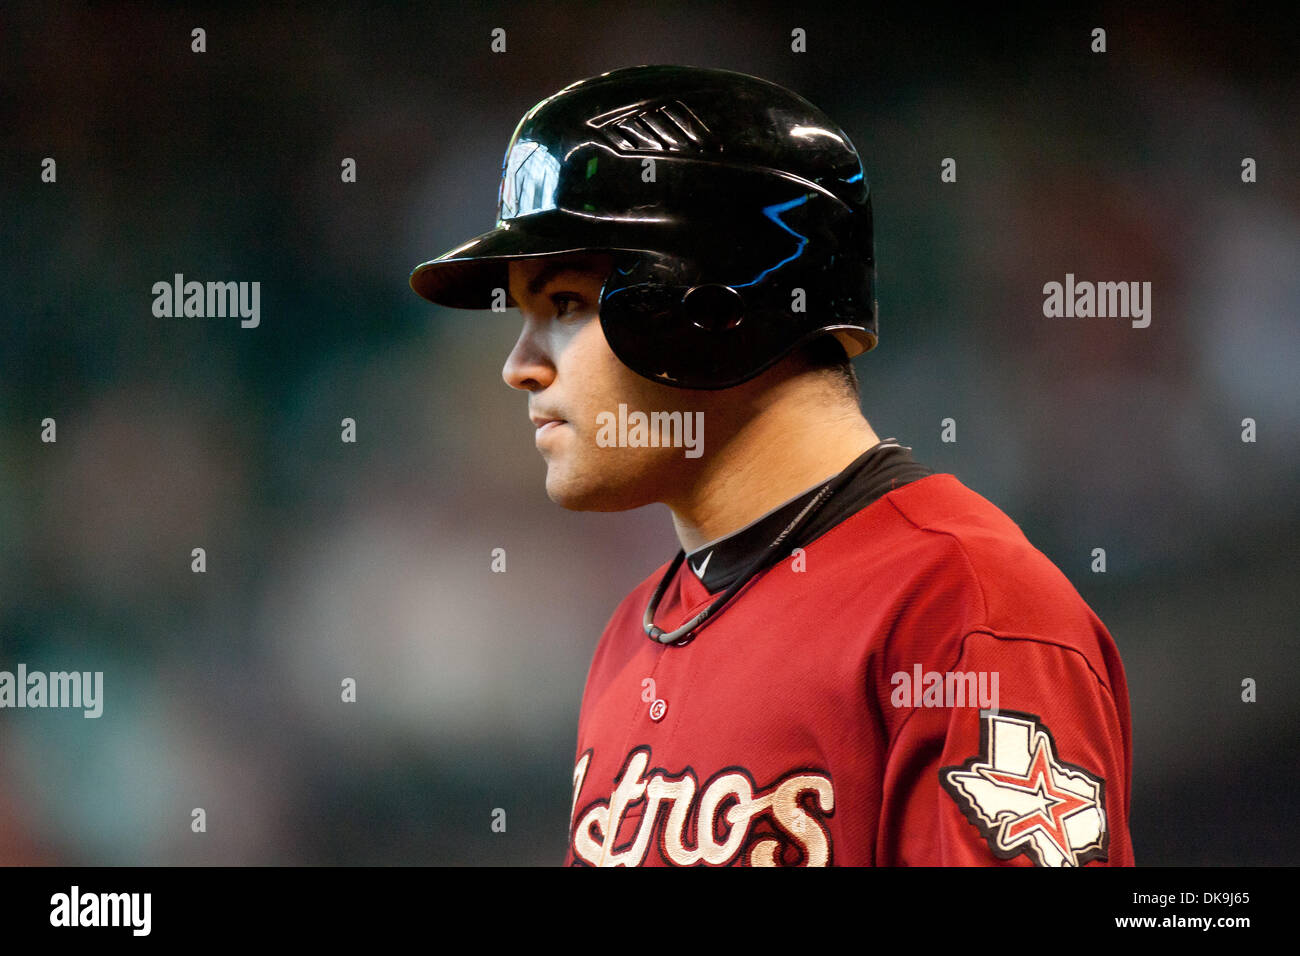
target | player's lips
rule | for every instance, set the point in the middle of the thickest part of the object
(546, 424)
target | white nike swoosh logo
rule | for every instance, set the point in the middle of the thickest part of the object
(699, 572)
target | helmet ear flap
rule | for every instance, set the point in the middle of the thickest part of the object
(713, 307)
(640, 312)
(666, 322)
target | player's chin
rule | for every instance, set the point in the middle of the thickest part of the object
(587, 492)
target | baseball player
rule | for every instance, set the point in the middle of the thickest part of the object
(852, 659)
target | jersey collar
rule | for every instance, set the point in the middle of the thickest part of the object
(885, 466)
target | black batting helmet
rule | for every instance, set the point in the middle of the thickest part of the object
(738, 214)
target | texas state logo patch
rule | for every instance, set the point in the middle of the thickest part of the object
(1022, 799)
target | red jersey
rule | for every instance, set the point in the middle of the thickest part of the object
(918, 685)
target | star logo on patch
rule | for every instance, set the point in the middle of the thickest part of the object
(1022, 799)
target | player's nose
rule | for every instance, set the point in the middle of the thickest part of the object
(528, 366)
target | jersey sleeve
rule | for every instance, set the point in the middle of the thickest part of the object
(1039, 778)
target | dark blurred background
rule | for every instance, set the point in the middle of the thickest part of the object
(372, 560)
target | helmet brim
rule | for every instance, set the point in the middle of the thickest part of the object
(467, 276)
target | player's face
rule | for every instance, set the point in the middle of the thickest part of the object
(563, 361)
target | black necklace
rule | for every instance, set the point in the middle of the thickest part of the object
(769, 556)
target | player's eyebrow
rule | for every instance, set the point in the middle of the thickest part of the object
(554, 269)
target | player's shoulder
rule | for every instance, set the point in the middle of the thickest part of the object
(948, 513)
(960, 541)
(942, 504)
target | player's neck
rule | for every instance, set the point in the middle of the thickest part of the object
(779, 453)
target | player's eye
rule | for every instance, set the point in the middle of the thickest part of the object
(566, 305)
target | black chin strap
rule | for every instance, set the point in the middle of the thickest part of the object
(769, 556)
